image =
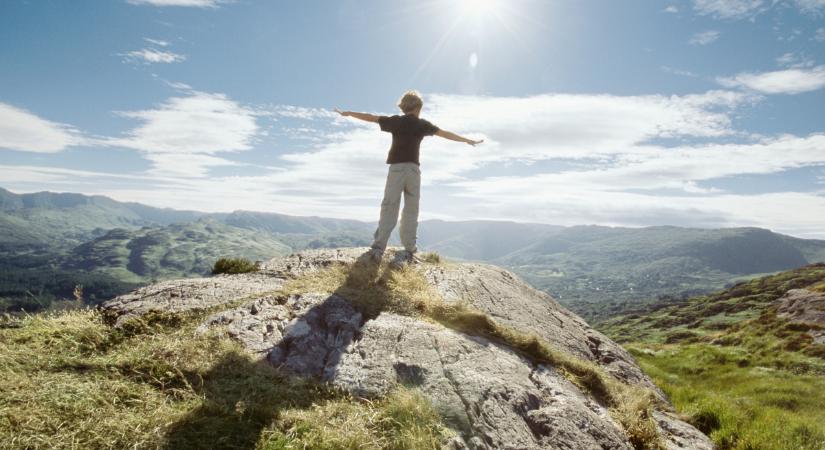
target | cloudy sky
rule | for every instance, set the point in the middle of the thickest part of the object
(703, 113)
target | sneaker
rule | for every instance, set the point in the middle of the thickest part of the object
(376, 254)
(402, 257)
(411, 256)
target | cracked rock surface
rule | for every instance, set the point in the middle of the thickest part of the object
(190, 294)
(492, 396)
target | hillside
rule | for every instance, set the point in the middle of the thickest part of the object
(600, 272)
(748, 362)
(326, 349)
(122, 259)
(64, 219)
(48, 240)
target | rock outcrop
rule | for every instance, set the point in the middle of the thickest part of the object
(490, 394)
(804, 307)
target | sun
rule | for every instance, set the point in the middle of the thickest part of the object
(480, 8)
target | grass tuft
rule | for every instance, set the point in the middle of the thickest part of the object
(234, 266)
(431, 258)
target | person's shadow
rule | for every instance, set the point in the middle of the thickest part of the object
(243, 396)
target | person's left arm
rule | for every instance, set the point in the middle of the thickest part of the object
(359, 115)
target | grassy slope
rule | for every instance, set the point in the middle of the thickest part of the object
(745, 377)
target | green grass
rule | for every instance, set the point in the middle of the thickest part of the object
(70, 381)
(746, 377)
(739, 407)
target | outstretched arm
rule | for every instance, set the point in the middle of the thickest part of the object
(454, 137)
(358, 115)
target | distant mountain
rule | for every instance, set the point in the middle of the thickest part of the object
(173, 251)
(596, 271)
(480, 240)
(121, 259)
(601, 271)
(64, 219)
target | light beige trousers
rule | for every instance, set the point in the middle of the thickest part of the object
(402, 178)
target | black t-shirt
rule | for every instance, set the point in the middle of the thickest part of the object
(407, 133)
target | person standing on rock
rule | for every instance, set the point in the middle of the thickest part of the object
(404, 176)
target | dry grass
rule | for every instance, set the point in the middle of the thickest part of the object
(71, 381)
(374, 288)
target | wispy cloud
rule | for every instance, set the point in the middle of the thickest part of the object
(186, 3)
(811, 6)
(704, 38)
(729, 9)
(671, 9)
(794, 61)
(819, 35)
(675, 71)
(25, 131)
(158, 42)
(749, 9)
(183, 134)
(788, 81)
(152, 56)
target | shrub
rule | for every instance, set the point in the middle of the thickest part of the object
(233, 266)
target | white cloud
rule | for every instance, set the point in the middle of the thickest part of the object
(671, 9)
(794, 61)
(819, 36)
(157, 42)
(152, 56)
(182, 135)
(186, 3)
(789, 81)
(704, 38)
(24, 131)
(556, 158)
(729, 9)
(300, 112)
(811, 6)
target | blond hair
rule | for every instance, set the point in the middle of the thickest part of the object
(410, 101)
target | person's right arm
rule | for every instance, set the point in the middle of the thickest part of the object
(454, 137)
(358, 115)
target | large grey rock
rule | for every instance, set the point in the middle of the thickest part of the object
(804, 307)
(492, 396)
(296, 264)
(192, 294)
(518, 305)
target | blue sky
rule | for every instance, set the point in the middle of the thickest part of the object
(696, 113)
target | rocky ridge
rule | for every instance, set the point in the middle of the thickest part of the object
(491, 395)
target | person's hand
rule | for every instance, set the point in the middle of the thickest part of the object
(343, 113)
(474, 143)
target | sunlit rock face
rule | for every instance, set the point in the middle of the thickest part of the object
(490, 394)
